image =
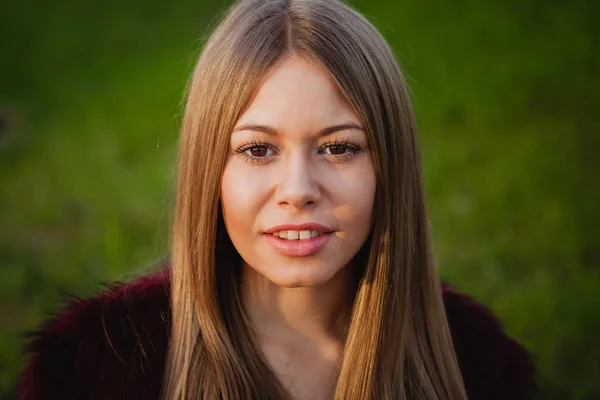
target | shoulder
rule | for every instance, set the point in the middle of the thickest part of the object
(111, 345)
(493, 365)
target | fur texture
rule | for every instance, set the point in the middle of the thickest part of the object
(113, 346)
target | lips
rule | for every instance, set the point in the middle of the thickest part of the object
(295, 235)
(310, 226)
(298, 240)
(298, 247)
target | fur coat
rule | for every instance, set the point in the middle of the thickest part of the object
(113, 346)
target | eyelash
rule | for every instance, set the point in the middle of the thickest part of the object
(352, 150)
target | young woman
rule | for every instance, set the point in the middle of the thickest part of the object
(301, 265)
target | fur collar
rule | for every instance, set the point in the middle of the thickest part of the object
(113, 346)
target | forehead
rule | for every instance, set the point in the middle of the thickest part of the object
(298, 92)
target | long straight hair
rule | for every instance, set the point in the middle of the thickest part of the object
(398, 344)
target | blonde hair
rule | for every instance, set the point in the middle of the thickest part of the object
(398, 344)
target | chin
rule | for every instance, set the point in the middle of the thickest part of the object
(296, 277)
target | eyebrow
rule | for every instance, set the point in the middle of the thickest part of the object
(323, 132)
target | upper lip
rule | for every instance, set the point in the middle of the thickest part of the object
(309, 226)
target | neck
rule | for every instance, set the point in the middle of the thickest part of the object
(300, 314)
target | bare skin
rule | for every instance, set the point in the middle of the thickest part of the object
(302, 342)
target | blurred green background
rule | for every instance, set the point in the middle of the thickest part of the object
(506, 94)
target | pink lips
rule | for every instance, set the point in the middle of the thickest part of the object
(310, 226)
(299, 247)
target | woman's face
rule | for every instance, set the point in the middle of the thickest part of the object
(298, 185)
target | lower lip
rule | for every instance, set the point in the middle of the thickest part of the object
(299, 247)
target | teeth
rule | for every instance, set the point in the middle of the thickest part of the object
(304, 234)
(295, 235)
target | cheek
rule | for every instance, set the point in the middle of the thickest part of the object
(239, 198)
(356, 196)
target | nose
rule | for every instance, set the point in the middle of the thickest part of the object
(298, 186)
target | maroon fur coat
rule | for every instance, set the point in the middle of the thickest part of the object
(112, 346)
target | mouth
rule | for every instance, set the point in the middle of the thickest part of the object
(305, 231)
(299, 240)
(290, 234)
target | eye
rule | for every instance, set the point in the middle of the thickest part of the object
(336, 149)
(256, 152)
(340, 149)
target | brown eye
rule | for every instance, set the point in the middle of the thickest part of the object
(340, 151)
(258, 151)
(337, 149)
